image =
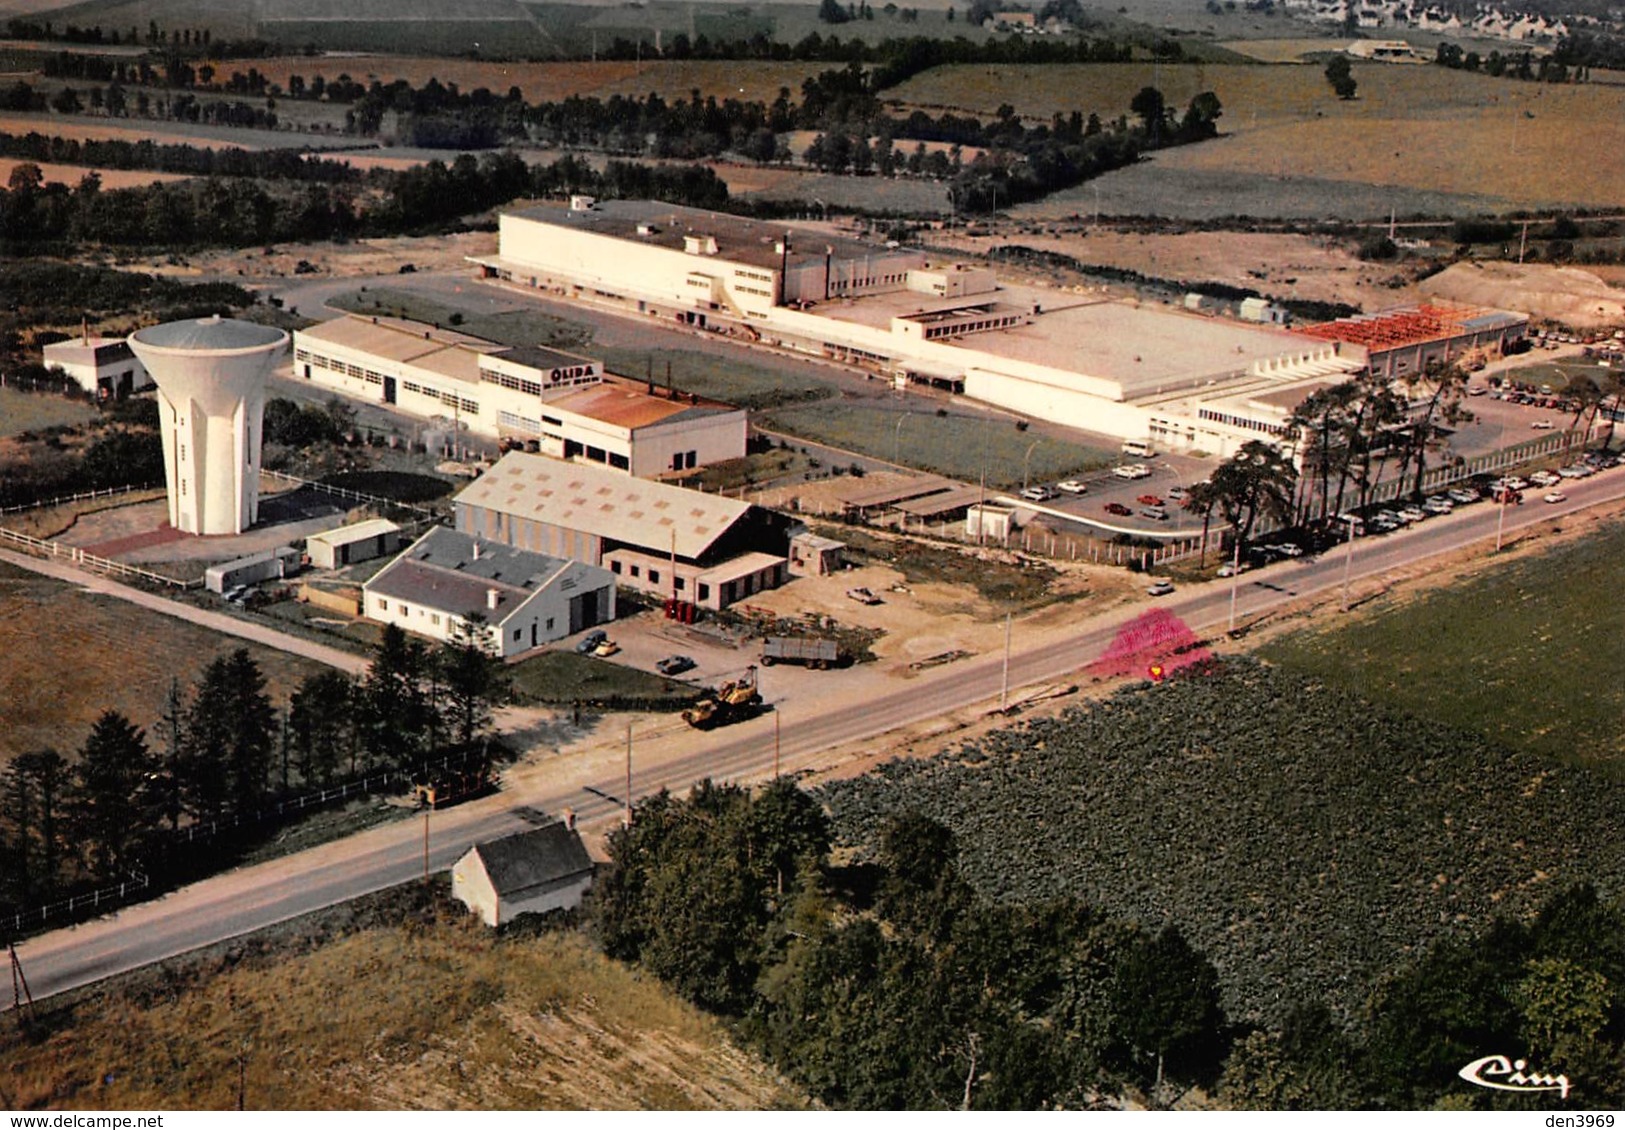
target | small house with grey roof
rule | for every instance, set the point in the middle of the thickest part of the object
(527, 873)
(521, 599)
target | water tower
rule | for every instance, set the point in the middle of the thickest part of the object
(211, 375)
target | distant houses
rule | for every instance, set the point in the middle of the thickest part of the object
(527, 873)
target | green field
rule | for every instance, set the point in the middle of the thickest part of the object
(961, 447)
(513, 327)
(733, 380)
(1528, 653)
(36, 411)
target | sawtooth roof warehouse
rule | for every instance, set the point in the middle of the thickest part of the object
(1189, 381)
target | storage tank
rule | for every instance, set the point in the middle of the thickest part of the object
(211, 375)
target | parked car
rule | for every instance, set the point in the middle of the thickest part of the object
(1555, 496)
(1545, 479)
(234, 594)
(1285, 549)
(589, 642)
(1161, 588)
(1413, 514)
(606, 649)
(1438, 504)
(862, 596)
(1038, 494)
(1155, 513)
(1178, 494)
(1230, 569)
(1117, 508)
(1463, 496)
(1132, 471)
(674, 665)
(1541, 425)
(1072, 486)
(1150, 500)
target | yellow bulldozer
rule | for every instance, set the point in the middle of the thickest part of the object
(730, 702)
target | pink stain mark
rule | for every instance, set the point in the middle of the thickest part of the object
(163, 535)
(1157, 639)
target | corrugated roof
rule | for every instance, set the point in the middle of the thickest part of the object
(395, 339)
(530, 859)
(360, 531)
(628, 405)
(604, 503)
(455, 573)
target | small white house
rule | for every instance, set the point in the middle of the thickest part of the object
(346, 545)
(523, 599)
(105, 367)
(526, 873)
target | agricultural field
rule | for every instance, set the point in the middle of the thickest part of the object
(35, 411)
(510, 327)
(1413, 134)
(69, 655)
(228, 19)
(1526, 653)
(961, 447)
(71, 175)
(164, 133)
(1306, 839)
(401, 1000)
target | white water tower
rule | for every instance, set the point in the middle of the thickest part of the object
(211, 375)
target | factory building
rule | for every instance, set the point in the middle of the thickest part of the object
(557, 403)
(666, 541)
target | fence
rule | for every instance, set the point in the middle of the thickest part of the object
(345, 492)
(78, 905)
(78, 557)
(63, 500)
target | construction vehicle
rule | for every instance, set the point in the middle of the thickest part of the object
(730, 702)
(816, 654)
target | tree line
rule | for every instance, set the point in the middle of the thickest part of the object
(225, 753)
(894, 984)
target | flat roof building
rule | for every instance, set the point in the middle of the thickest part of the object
(361, 541)
(105, 367)
(562, 404)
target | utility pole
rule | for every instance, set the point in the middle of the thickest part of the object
(1348, 563)
(20, 992)
(427, 809)
(1235, 578)
(1502, 500)
(775, 745)
(1004, 690)
(628, 776)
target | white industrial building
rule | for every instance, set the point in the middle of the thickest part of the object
(516, 600)
(1185, 380)
(211, 376)
(105, 367)
(664, 540)
(558, 403)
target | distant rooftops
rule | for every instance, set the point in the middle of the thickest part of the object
(456, 573)
(1413, 325)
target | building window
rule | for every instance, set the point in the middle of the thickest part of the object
(550, 623)
(615, 567)
(516, 634)
(654, 576)
(679, 584)
(434, 618)
(635, 570)
(705, 591)
(405, 611)
(383, 605)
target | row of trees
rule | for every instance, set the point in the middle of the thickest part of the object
(1523, 65)
(896, 985)
(225, 752)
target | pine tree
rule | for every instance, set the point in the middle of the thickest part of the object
(109, 815)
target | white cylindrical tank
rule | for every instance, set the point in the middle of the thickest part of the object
(211, 375)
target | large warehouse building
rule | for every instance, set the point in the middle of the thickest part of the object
(1134, 370)
(558, 403)
(667, 541)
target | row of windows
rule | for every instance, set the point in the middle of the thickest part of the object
(698, 284)
(951, 329)
(371, 376)
(679, 584)
(759, 276)
(743, 289)
(519, 423)
(518, 384)
(1241, 422)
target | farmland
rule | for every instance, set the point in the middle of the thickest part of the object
(70, 655)
(1428, 132)
(734, 380)
(1304, 838)
(397, 1001)
(511, 327)
(71, 175)
(1525, 653)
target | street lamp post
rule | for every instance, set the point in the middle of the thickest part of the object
(897, 438)
(1348, 560)
(1027, 459)
(1235, 576)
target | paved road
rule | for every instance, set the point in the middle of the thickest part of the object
(592, 780)
(218, 621)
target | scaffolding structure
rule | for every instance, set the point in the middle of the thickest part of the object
(1396, 329)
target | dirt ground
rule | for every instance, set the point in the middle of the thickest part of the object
(1576, 297)
(362, 258)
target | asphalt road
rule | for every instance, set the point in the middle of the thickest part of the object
(593, 781)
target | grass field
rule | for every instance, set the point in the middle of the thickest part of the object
(1418, 128)
(34, 411)
(398, 1001)
(734, 380)
(1527, 652)
(960, 447)
(563, 677)
(514, 327)
(70, 655)
(71, 175)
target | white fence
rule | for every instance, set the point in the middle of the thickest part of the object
(63, 500)
(73, 555)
